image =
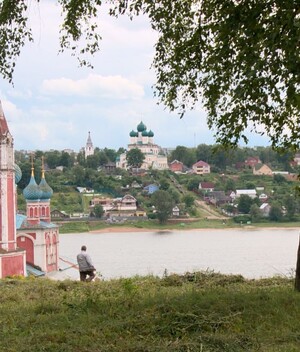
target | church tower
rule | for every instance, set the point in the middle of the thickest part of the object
(12, 259)
(89, 148)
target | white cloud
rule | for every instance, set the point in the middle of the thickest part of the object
(94, 85)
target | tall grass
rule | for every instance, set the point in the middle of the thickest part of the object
(193, 312)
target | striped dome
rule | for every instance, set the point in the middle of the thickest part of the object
(46, 190)
(18, 173)
(32, 190)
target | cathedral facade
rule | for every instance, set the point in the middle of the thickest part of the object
(143, 140)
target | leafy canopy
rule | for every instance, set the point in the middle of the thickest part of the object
(240, 58)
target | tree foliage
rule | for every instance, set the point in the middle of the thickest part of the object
(135, 158)
(239, 58)
(164, 204)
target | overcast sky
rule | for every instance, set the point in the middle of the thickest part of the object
(54, 103)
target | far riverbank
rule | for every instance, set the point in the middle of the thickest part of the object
(143, 226)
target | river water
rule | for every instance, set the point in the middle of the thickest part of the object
(253, 253)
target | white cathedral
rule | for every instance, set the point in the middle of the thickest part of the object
(143, 140)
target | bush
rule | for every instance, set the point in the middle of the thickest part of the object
(151, 216)
(242, 219)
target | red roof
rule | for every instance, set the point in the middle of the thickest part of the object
(207, 185)
(200, 163)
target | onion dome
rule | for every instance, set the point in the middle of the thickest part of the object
(150, 134)
(141, 127)
(18, 173)
(32, 190)
(46, 190)
(145, 133)
(133, 134)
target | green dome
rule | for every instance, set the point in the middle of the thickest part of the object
(18, 173)
(32, 190)
(46, 190)
(145, 133)
(150, 134)
(133, 134)
(141, 127)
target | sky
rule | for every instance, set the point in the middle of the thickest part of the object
(53, 103)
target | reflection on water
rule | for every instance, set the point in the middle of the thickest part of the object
(252, 253)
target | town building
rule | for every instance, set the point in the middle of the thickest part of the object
(262, 169)
(142, 139)
(176, 166)
(201, 168)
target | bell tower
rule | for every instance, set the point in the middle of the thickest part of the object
(12, 259)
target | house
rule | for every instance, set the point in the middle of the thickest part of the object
(106, 203)
(263, 197)
(262, 169)
(175, 211)
(201, 168)
(109, 167)
(150, 189)
(135, 185)
(251, 161)
(84, 190)
(248, 192)
(176, 166)
(218, 198)
(265, 209)
(206, 186)
(124, 207)
(57, 214)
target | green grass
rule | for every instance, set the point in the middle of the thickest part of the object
(194, 312)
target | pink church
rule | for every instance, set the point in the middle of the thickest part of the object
(27, 242)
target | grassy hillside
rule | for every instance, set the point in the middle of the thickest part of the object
(194, 312)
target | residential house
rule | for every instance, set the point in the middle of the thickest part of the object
(201, 168)
(263, 197)
(175, 211)
(135, 185)
(218, 198)
(176, 166)
(109, 167)
(249, 192)
(150, 189)
(262, 169)
(265, 209)
(251, 161)
(206, 186)
(106, 203)
(57, 214)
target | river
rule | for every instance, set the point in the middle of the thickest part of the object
(253, 253)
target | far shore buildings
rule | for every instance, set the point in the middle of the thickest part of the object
(143, 140)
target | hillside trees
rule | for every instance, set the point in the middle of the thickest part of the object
(135, 158)
(164, 204)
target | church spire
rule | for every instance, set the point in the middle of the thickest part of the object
(89, 148)
(3, 123)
